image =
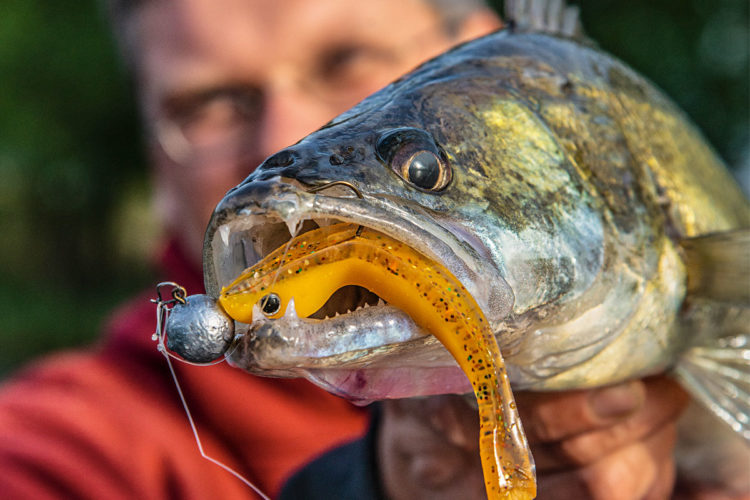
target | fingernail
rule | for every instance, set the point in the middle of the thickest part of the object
(616, 401)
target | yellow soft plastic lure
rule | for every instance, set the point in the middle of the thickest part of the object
(312, 266)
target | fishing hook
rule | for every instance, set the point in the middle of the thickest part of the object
(163, 307)
(178, 293)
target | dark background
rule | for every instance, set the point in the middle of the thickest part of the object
(76, 230)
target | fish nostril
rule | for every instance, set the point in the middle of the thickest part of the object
(281, 159)
(336, 159)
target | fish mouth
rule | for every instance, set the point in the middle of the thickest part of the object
(346, 300)
(273, 345)
(355, 345)
(263, 238)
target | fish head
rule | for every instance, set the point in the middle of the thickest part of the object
(418, 161)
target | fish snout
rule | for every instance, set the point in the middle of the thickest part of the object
(285, 163)
(253, 193)
(264, 349)
(311, 163)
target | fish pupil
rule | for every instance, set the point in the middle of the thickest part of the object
(270, 304)
(424, 170)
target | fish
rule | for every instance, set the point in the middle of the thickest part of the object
(597, 231)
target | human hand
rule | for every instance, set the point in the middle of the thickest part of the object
(609, 443)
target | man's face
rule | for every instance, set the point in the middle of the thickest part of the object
(226, 83)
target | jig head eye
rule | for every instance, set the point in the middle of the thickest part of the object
(270, 304)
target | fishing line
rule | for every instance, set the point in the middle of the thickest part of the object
(162, 313)
(293, 234)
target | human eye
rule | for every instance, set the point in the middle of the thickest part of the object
(214, 115)
(350, 65)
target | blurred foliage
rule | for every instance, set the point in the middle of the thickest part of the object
(70, 153)
(697, 51)
(74, 197)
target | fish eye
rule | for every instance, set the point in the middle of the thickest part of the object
(422, 169)
(270, 304)
(413, 155)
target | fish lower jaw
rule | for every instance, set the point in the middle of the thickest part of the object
(290, 343)
(370, 354)
(363, 356)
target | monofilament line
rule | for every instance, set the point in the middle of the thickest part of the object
(198, 438)
(162, 312)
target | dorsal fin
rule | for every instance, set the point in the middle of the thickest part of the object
(554, 17)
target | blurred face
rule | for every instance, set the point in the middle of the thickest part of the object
(226, 83)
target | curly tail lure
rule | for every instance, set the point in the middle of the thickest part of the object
(312, 266)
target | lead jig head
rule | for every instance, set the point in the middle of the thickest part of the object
(199, 330)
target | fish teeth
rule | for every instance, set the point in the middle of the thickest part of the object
(291, 310)
(257, 312)
(366, 305)
(293, 223)
(322, 222)
(380, 302)
(224, 233)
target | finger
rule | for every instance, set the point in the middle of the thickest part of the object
(662, 447)
(664, 402)
(630, 473)
(549, 417)
(664, 483)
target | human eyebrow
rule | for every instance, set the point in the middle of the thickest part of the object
(342, 51)
(184, 103)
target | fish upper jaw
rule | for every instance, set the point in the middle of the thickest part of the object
(260, 216)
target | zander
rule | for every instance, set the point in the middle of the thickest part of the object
(596, 230)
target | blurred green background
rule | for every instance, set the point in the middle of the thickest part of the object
(75, 219)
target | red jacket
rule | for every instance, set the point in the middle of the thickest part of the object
(108, 424)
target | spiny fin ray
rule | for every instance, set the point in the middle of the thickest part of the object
(719, 378)
(554, 17)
